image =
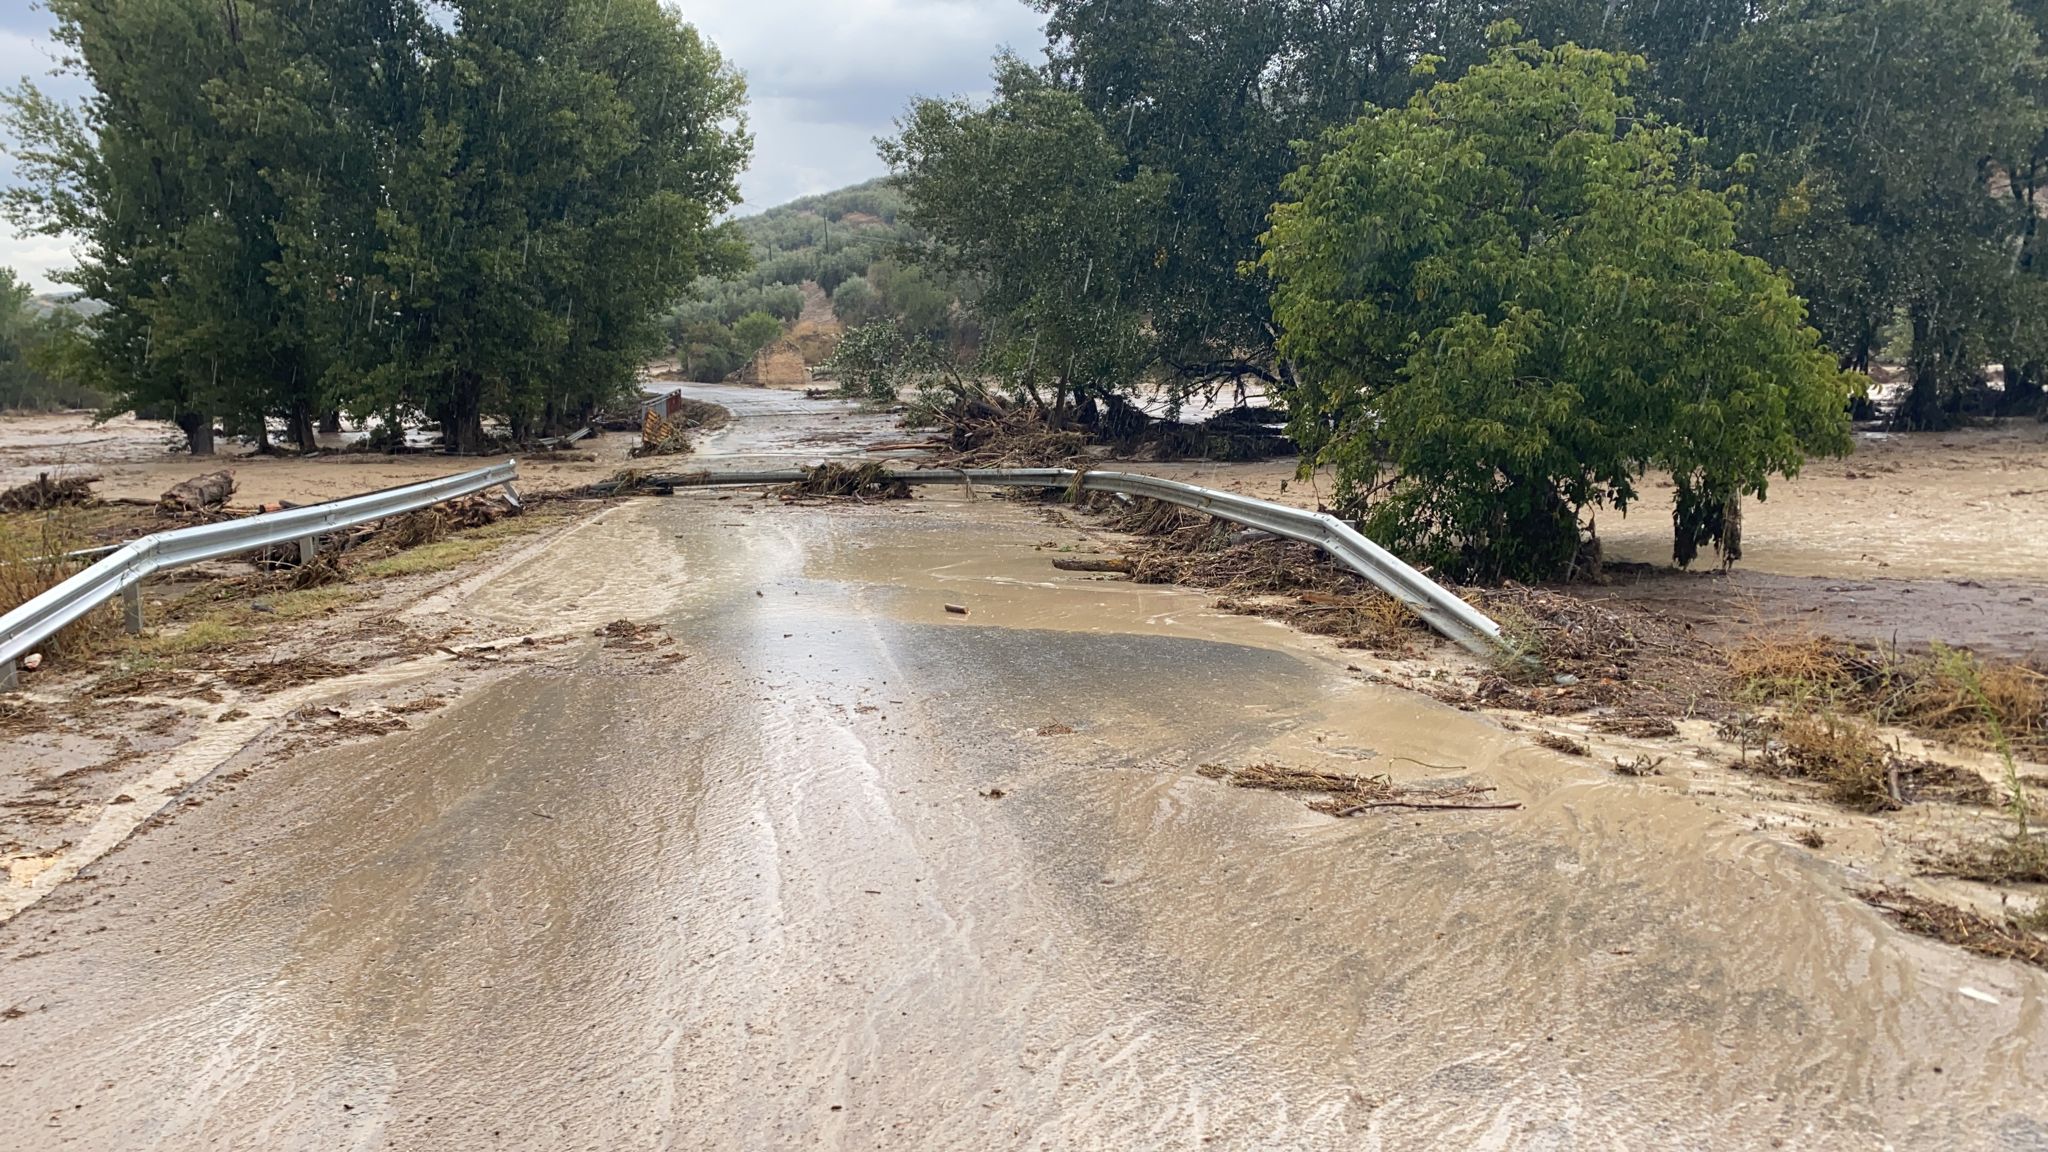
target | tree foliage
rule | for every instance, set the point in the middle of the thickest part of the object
(34, 342)
(1511, 296)
(291, 208)
(1028, 197)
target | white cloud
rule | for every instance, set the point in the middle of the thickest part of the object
(25, 56)
(823, 82)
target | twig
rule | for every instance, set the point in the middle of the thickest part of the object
(1427, 764)
(1357, 808)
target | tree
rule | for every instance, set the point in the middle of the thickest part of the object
(1029, 197)
(1885, 135)
(877, 361)
(755, 331)
(1509, 298)
(854, 301)
(573, 160)
(33, 351)
(476, 208)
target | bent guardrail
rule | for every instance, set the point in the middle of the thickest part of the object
(1438, 606)
(122, 572)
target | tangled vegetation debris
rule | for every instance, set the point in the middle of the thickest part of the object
(1344, 795)
(868, 481)
(43, 493)
(2003, 939)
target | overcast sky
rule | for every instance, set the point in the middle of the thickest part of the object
(823, 81)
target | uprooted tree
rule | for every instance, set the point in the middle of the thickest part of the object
(1510, 298)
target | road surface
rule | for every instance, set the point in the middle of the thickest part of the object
(855, 872)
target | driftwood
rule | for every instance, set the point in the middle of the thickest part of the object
(43, 492)
(199, 494)
(1082, 565)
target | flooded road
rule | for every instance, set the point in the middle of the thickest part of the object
(859, 873)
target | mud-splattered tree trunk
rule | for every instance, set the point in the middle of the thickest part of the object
(198, 430)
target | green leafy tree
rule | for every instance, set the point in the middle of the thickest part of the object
(1512, 296)
(34, 352)
(878, 361)
(292, 208)
(1029, 197)
(855, 301)
(755, 331)
(573, 160)
(1884, 134)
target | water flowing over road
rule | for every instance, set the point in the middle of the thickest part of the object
(855, 872)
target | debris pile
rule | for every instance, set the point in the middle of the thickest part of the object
(1959, 926)
(667, 432)
(43, 493)
(1341, 795)
(868, 481)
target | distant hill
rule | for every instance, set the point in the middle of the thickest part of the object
(826, 238)
(52, 302)
(804, 251)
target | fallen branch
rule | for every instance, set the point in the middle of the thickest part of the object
(1355, 809)
(1080, 565)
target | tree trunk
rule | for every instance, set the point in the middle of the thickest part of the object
(462, 421)
(1921, 409)
(330, 422)
(301, 427)
(199, 493)
(198, 430)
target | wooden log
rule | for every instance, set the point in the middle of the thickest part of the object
(1065, 564)
(199, 494)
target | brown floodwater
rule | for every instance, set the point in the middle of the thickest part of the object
(768, 897)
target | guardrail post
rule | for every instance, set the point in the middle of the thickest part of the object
(309, 547)
(131, 606)
(512, 494)
(9, 679)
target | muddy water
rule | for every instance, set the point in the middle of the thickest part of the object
(764, 899)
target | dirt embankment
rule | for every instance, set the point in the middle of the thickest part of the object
(138, 460)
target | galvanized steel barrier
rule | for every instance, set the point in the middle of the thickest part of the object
(124, 570)
(1438, 606)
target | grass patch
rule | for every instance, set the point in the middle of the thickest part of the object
(439, 556)
(1845, 756)
(309, 602)
(32, 550)
(1947, 694)
(204, 635)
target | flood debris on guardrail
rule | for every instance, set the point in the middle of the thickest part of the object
(1438, 606)
(122, 572)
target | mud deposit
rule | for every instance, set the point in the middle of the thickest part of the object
(850, 871)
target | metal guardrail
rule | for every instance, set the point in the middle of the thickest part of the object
(1438, 606)
(122, 572)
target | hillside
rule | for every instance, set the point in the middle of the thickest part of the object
(820, 263)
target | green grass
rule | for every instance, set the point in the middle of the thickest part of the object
(457, 549)
(436, 557)
(198, 636)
